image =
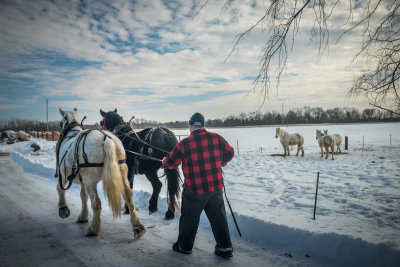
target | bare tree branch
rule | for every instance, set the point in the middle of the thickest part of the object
(381, 44)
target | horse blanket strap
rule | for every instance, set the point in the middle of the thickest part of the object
(87, 164)
(76, 165)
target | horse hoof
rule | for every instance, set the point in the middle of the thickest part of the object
(152, 211)
(169, 215)
(81, 221)
(91, 232)
(126, 211)
(139, 231)
(64, 212)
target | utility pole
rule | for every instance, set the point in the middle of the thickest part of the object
(47, 115)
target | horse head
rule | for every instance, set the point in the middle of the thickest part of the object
(68, 117)
(277, 132)
(110, 119)
(326, 132)
(318, 134)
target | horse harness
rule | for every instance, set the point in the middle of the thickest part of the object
(76, 165)
(146, 141)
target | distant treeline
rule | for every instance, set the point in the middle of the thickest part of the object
(33, 125)
(305, 115)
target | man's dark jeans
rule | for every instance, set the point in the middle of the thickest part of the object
(192, 206)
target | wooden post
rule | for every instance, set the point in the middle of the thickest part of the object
(47, 114)
(237, 145)
(346, 143)
(316, 195)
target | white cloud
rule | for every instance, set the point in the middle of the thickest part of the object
(145, 46)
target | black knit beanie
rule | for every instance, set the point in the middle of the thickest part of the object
(197, 119)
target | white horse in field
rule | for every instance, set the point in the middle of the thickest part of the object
(287, 140)
(338, 140)
(90, 156)
(325, 141)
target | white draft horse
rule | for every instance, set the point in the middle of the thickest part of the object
(287, 140)
(92, 156)
(338, 140)
(325, 141)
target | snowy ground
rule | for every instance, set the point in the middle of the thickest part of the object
(358, 212)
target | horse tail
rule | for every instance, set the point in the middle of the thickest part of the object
(112, 178)
(173, 185)
(301, 139)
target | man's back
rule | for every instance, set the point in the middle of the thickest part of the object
(202, 155)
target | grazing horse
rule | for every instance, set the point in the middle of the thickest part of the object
(290, 140)
(338, 140)
(325, 141)
(145, 151)
(92, 156)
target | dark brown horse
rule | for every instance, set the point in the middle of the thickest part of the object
(144, 151)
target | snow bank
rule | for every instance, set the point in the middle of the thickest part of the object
(335, 247)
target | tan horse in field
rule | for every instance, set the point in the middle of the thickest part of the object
(287, 140)
(325, 141)
(338, 140)
(87, 157)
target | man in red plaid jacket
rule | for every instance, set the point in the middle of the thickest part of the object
(202, 154)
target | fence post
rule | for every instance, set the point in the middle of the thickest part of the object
(346, 143)
(316, 195)
(237, 145)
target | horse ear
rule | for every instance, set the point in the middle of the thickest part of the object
(61, 112)
(103, 114)
(115, 110)
(75, 110)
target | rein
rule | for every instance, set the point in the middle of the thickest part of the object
(121, 125)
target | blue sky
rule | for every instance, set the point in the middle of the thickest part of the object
(154, 60)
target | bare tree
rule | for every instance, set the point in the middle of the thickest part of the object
(381, 43)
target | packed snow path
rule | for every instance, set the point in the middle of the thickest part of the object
(32, 234)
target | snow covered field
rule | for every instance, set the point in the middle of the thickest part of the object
(358, 207)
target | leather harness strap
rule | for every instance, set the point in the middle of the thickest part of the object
(76, 165)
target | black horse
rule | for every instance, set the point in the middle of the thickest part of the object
(144, 152)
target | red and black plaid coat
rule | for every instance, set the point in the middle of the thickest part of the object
(202, 155)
